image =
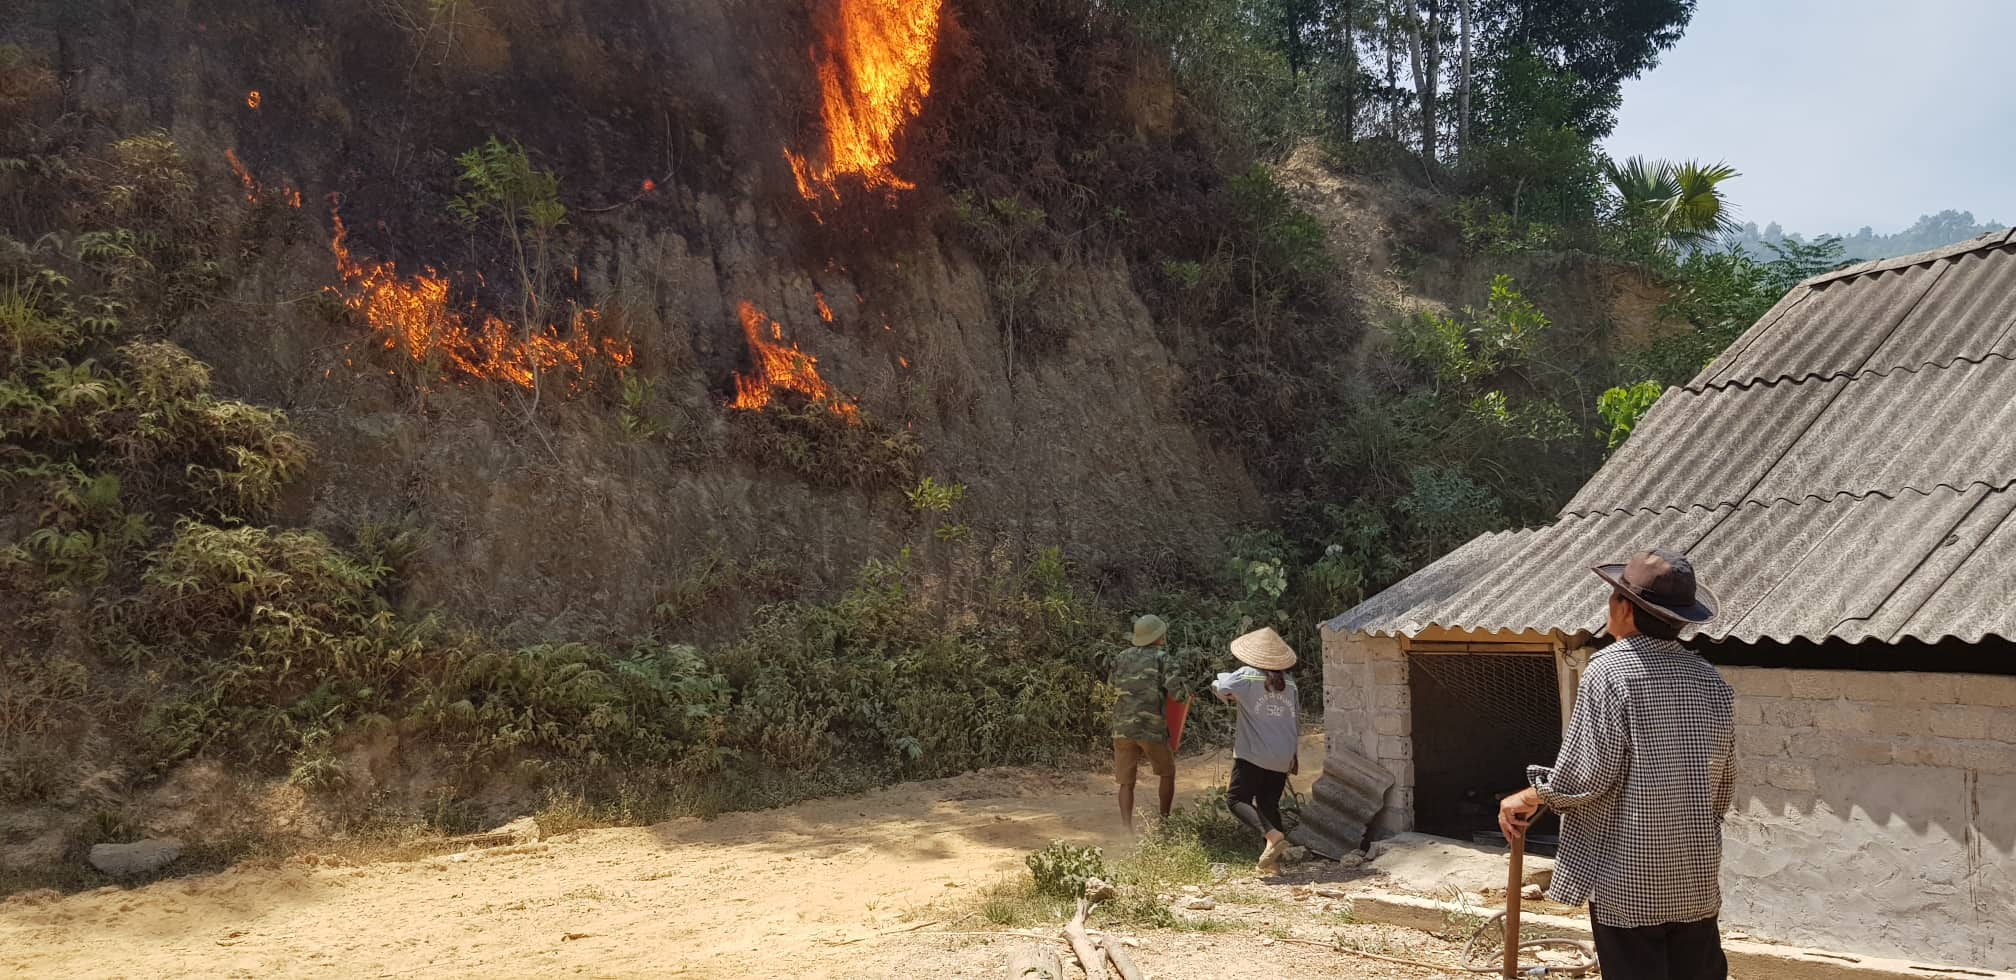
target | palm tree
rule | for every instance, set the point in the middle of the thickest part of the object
(1683, 202)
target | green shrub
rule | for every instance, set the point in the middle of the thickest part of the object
(1623, 406)
(262, 638)
(879, 679)
(1289, 255)
(1061, 869)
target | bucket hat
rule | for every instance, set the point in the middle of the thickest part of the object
(1662, 583)
(1265, 649)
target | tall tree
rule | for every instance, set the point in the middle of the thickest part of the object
(1350, 54)
(1294, 27)
(1425, 55)
(1463, 84)
(1603, 42)
(1394, 22)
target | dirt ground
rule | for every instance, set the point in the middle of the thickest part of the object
(809, 891)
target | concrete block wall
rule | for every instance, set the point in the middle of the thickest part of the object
(1875, 813)
(1366, 707)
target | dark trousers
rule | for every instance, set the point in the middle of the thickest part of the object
(1671, 951)
(1255, 796)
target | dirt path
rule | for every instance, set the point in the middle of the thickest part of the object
(747, 895)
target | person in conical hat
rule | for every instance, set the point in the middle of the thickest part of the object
(1263, 750)
(1145, 684)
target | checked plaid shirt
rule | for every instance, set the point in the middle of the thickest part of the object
(1646, 772)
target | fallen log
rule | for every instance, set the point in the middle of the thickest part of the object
(1081, 944)
(1123, 964)
(1035, 963)
(1089, 957)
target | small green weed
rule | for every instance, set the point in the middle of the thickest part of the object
(1013, 903)
(932, 496)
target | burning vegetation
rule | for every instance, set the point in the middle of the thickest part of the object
(413, 315)
(254, 191)
(780, 368)
(873, 79)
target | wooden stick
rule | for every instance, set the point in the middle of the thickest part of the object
(1333, 947)
(1081, 944)
(999, 934)
(1123, 964)
(879, 935)
(1514, 884)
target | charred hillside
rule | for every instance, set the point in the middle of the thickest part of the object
(419, 407)
(673, 135)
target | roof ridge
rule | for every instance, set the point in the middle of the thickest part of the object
(1892, 493)
(1979, 243)
(1760, 382)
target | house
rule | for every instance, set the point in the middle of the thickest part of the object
(1844, 476)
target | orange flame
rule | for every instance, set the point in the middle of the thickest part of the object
(413, 315)
(873, 80)
(253, 99)
(244, 175)
(825, 312)
(781, 368)
(253, 190)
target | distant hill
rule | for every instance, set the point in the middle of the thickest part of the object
(1928, 232)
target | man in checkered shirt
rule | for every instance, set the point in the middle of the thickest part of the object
(1646, 771)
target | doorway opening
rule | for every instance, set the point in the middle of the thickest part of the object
(1478, 721)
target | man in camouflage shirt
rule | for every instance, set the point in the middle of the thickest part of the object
(1139, 726)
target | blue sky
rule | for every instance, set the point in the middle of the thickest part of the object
(1841, 113)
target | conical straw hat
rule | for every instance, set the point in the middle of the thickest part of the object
(1265, 649)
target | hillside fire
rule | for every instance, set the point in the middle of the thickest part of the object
(413, 315)
(873, 79)
(781, 368)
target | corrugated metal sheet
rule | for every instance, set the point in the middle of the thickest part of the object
(1922, 566)
(1846, 469)
(1952, 307)
(1351, 791)
(1907, 430)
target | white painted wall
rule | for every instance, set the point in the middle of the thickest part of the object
(1875, 813)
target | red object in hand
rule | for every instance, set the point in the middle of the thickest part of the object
(1176, 712)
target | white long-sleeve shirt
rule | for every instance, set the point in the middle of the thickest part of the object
(1268, 720)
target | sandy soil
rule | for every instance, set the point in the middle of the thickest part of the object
(750, 895)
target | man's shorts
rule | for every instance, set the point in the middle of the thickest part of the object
(1127, 755)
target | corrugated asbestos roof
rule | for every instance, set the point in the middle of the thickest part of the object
(1847, 469)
